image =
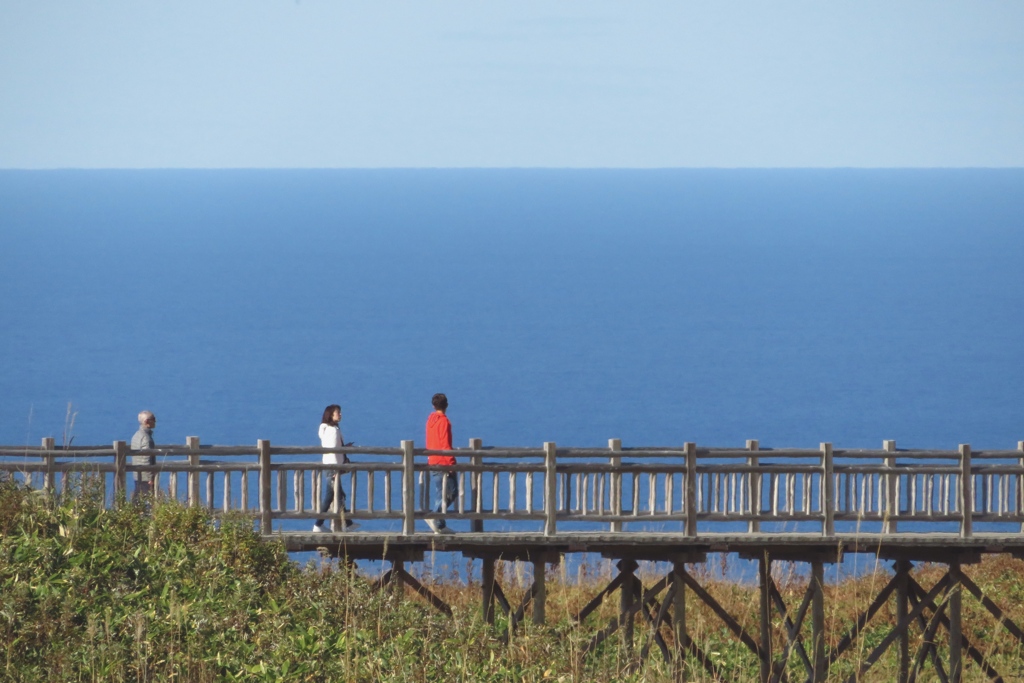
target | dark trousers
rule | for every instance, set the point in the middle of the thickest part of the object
(329, 500)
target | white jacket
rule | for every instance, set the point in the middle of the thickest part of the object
(330, 437)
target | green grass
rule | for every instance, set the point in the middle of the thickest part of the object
(170, 594)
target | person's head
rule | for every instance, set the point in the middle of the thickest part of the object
(440, 402)
(332, 415)
(147, 419)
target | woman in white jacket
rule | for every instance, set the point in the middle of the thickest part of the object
(330, 437)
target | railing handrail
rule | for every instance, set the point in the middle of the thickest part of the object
(509, 452)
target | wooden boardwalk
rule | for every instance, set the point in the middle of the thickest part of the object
(670, 505)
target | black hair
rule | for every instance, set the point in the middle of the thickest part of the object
(439, 401)
(328, 418)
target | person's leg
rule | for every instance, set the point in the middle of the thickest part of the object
(439, 502)
(143, 488)
(143, 480)
(343, 505)
(451, 489)
(328, 482)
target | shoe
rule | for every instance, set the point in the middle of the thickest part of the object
(351, 526)
(317, 528)
(443, 531)
(432, 523)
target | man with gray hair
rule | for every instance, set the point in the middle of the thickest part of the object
(143, 440)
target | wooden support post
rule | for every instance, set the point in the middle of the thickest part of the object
(903, 620)
(550, 488)
(266, 511)
(691, 489)
(49, 479)
(487, 589)
(764, 575)
(956, 638)
(120, 472)
(892, 505)
(828, 491)
(615, 445)
(754, 487)
(626, 590)
(408, 489)
(193, 477)
(820, 664)
(966, 491)
(540, 592)
(679, 622)
(1020, 483)
(476, 479)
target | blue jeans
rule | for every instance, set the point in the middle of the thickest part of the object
(445, 491)
(329, 498)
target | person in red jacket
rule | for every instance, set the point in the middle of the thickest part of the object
(444, 484)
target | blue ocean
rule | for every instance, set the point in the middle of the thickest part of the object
(660, 306)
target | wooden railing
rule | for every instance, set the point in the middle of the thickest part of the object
(689, 490)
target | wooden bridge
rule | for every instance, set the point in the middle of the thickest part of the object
(671, 505)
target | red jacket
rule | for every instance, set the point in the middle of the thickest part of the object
(439, 438)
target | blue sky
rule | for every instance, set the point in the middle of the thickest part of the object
(317, 83)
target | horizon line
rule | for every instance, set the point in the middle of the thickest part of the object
(510, 168)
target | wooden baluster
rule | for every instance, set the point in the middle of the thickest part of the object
(317, 488)
(773, 486)
(512, 492)
(282, 489)
(495, 487)
(669, 492)
(336, 507)
(371, 478)
(791, 493)
(529, 492)
(353, 489)
(652, 493)
(227, 491)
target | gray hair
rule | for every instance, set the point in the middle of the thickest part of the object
(144, 417)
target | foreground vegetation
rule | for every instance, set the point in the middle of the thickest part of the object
(170, 594)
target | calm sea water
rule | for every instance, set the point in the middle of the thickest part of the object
(654, 306)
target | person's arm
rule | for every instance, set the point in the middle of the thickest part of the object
(341, 444)
(448, 435)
